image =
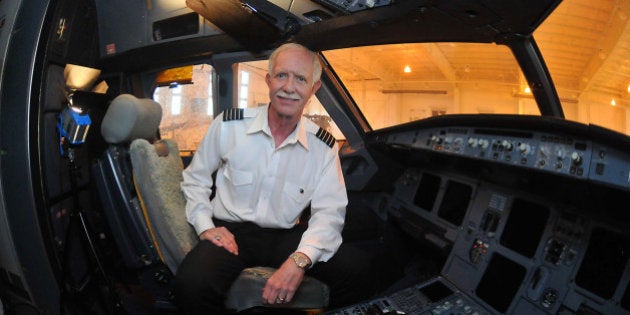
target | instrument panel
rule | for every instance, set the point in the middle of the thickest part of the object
(559, 249)
(510, 252)
(548, 152)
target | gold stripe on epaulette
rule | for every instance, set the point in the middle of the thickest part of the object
(233, 114)
(325, 136)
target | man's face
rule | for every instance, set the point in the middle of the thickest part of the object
(291, 82)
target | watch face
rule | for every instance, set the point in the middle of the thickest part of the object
(305, 262)
(300, 261)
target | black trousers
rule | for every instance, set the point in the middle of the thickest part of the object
(208, 271)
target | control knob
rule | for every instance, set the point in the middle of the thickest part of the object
(524, 148)
(576, 158)
(484, 143)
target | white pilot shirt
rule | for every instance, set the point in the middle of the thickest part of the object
(257, 182)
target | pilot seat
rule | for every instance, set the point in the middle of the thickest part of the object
(138, 178)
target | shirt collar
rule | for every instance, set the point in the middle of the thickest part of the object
(301, 133)
(261, 124)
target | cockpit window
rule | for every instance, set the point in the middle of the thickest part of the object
(585, 46)
(187, 108)
(400, 83)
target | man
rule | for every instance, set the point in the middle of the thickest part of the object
(271, 164)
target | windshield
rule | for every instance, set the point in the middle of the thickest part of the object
(395, 84)
(584, 44)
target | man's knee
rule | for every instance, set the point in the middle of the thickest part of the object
(199, 283)
(196, 295)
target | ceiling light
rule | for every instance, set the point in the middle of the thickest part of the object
(612, 102)
(528, 90)
(407, 69)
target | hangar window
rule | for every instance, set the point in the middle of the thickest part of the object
(210, 100)
(176, 100)
(243, 89)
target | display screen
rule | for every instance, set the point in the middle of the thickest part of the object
(524, 227)
(436, 291)
(427, 191)
(604, 262)
(500, 282)
(455, 202)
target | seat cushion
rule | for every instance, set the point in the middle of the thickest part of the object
(246, 292)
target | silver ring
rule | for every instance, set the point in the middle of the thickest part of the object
(218, 238)
(281, 299)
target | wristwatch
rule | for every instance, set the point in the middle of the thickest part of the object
(301, 260)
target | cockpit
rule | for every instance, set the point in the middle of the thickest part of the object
(484, 146)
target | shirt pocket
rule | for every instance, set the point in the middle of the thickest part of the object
(237, 191)
(296, 196)
(238, 177)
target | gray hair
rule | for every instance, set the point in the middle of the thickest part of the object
(317, 67)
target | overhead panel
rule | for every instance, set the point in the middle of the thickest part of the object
(144, 23)
(350, 6)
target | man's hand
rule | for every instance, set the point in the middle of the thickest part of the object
(221, 237)
(282, 285)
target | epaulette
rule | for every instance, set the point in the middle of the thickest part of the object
(233, 114)
(325, 136)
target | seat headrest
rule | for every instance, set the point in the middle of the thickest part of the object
(129, 118)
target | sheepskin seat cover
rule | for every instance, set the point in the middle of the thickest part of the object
(157, 179)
